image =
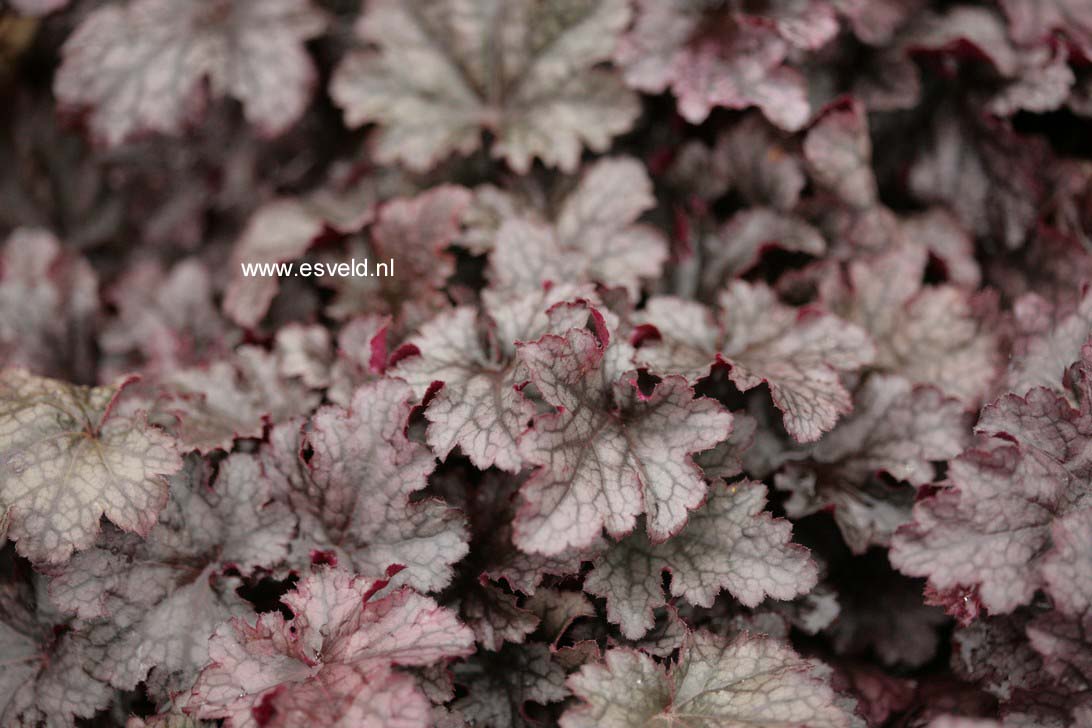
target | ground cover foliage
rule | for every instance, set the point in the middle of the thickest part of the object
(735, 368)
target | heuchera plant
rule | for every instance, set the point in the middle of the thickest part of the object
(515, 363)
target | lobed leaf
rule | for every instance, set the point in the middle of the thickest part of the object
(139, 65)
(751, 679)
(729, 543)
(438, 73)
(68, 457)
(609, 452)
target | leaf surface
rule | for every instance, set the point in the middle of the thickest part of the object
(745, 681)
(440, 72)
(609, 451)
(332, 661)
(139, 66)
(798, 354)
(350, 476)
(151, 604)
(67, 458)
(729, 543)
